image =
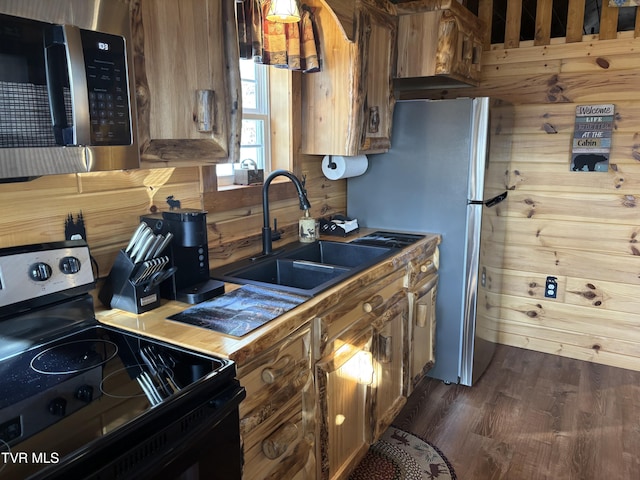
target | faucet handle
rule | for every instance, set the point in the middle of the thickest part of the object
(275, 234)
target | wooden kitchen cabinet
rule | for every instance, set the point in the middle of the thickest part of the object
(187, 81)
(421, 323)
(277, 417)
(347, 107)
(388, 349)
(359, 349)
(439, 44)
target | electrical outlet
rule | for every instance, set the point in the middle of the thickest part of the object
(551, 287)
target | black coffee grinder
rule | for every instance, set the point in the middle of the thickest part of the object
(188, 252)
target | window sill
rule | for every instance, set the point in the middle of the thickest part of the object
(224, 188)
(243, 196)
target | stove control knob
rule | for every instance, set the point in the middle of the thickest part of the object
(85, 393)
(40, 272)
(58, 407)
(69, 265)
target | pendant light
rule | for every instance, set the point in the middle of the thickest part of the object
(283, 11)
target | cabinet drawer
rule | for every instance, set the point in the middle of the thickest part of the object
(355, 314)
(419, 269)
(284, 451)
(273, 380)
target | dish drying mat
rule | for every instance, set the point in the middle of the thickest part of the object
(241, 311)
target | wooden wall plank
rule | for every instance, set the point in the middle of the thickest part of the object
(608, 22)
(558, 347)
(624, 44)
(553, 316)
(542, 34)
(513, 22)
(575, 21)
(485, 14)
(609, 238)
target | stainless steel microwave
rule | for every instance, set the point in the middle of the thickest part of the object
(67, 100)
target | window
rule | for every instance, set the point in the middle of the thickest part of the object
(254, 138)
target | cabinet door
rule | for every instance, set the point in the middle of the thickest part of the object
(347, 107)
(387, 390)
(422, 332)
(380, 30)
(182, 79)
(342, 384)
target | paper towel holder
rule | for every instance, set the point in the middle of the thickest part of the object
(332, 165)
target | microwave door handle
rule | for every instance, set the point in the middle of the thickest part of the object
(78, 82)
(67, 36)
(57, 76)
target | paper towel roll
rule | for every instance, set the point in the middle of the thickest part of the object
(336, 167)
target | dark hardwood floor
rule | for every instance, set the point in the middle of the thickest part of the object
(533, 416)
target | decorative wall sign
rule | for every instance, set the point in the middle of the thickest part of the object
(624, 3)
(592, 138)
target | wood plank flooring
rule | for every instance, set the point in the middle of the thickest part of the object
(533, 416)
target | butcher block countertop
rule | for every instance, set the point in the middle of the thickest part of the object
(241, 349)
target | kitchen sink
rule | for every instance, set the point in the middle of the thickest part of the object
(305, 269)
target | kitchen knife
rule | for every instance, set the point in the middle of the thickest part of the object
(157, 240)
(144, 249)
(139, 243)
(140, 273)
(134, 237)
(164, 244)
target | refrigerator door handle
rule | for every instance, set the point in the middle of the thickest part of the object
(492, 202)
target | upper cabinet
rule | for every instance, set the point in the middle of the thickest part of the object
(187, 81)
(439, 44)
(347, 107)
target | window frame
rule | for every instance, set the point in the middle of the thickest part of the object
(225, 171)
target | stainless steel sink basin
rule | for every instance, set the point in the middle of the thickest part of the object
(305, 269)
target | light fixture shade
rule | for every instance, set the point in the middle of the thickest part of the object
(283, 11)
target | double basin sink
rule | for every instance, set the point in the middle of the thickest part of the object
(305, 268)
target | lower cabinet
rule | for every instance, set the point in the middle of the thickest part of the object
(318, 399)
(421, 334)
(277, 420)
(359, 372)
(422, 286)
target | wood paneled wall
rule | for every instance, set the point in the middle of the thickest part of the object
(581, 227)
(112, 203)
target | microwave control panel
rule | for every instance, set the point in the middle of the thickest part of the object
(109, 109)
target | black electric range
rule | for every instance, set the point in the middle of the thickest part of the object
(82, 400)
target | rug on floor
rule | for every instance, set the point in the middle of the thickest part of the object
(399, 455)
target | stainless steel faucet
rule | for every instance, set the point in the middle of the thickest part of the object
(267, 246)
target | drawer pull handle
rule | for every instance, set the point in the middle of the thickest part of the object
(372, 304)
(422, 311)
(385, 349)
(271, 374)
(425, 268)
(276, 444)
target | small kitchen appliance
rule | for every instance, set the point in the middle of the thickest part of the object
(67, 101)
(188, 253)
(79, 399)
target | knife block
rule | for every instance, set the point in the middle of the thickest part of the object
(118, 291)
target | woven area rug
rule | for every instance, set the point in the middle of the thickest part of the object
(399, 455)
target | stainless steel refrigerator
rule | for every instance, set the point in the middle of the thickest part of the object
(446, 173)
